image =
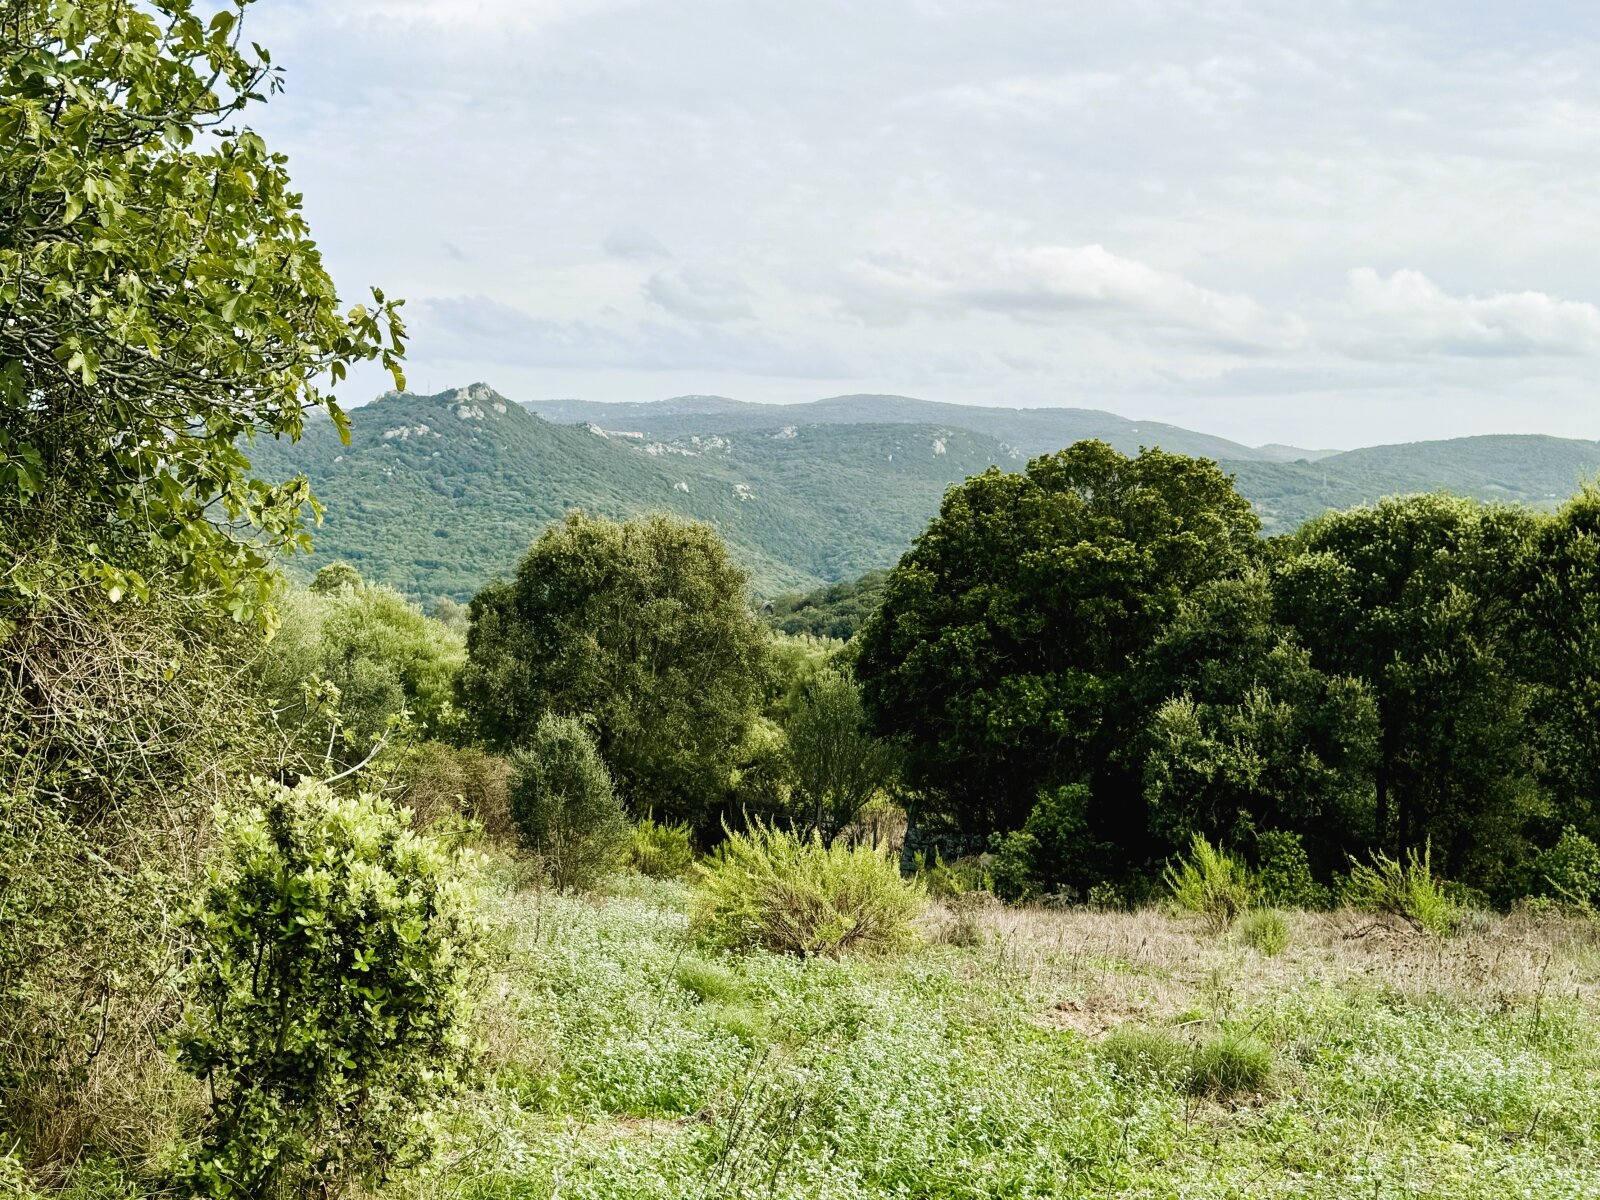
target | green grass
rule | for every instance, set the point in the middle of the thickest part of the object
(629, 1064)
(1265, 931)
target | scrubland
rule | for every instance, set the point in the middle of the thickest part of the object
(1025, 1051)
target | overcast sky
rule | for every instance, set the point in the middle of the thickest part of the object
(1325, 223)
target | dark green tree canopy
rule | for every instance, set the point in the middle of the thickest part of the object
(1246, 733)
(160, 299)
(1003, 648)
(1423, 598)
(644, 625)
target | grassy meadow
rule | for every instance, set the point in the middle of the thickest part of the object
(1030, 1052)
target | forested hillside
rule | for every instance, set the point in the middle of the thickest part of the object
(1030, 431)
(1516, 468)
(437, 494)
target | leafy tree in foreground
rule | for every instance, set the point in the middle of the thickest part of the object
(1005, 645)
(644, 626)
(1246, 734)
(160, 299)
(1561, 658)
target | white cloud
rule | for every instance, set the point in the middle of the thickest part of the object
(1408, 312)
(633, 245)
(1075, 284)
(455, 15)
(468, 329)
(700, 294)
(1155, 211)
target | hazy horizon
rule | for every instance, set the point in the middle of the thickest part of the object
(1320, 225)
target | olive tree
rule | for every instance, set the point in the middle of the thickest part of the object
(838, 764)
(564, 806)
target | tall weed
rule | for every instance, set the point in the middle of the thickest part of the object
(774, 890)
(1211, 883)
(1409, 891)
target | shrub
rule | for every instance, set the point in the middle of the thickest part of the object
(660, 850)
(1012, 865)
(1212, 883)
(441, 781)
(708, 981)
(964, 925)
(1409, 892)
(1283, 872)
(1229, 1065)
(948, 880)
(563, 803)
(771, 889)
(1265, 930)
(335, 953)
(1140, 1051)
(1569, 870)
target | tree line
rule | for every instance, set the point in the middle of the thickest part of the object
(1093, 660)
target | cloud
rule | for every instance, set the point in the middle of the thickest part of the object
(1077, 284)
(473, 329)
(700, 294)
(633, 245)
(1408, 313)
(453, 15)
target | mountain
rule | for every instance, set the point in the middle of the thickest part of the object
(438, 494)
(1526, 469)
(1030, 431)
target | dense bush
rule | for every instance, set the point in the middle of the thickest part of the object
(1212, 883)
(1570, 870)
(1406, 890)
(333, 973)
(564, 805)
(660, 850)
(120, 728)
(352, 664)
(1283, 872)
(772, 889)
(438, 781)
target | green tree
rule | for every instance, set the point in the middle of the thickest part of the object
(333, 978)
(1246, 733)
(838, 764)
(564, 805)
(1561, 659)
(1420, 598)
(643, 626)
(1005, 645)
(352, 664)
(160, 300)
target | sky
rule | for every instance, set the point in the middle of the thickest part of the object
(1327, 224)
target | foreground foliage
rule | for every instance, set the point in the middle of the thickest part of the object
(334, 972)
(789, 894)
(162, 299)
